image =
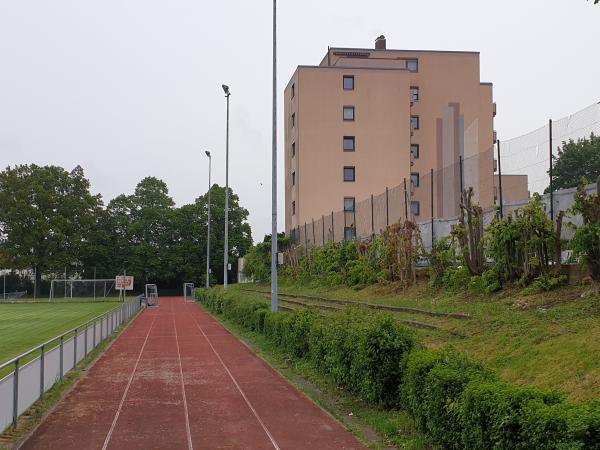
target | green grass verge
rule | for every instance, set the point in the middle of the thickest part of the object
(25, 325)
(550, 340)
(378, 428)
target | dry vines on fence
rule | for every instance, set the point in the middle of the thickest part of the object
(469, 233)
(403, 246)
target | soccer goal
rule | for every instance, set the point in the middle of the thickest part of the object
(83, 290)
(151, 291)
(189, 294)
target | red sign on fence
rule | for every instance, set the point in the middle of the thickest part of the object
(123, 283)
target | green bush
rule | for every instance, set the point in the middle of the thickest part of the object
(545, 283)
(376, 368)
(490, 413)
(432, 386)
(457, 278)
(441, 259)
(486, 283)
(561, 426)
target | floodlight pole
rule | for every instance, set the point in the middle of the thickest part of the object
(226, 249)
(208, 224)
(274, 286)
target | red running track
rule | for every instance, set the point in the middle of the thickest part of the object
(176, 379)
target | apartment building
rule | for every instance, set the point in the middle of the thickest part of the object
(364, 120)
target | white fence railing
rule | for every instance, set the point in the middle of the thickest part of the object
(37, 370)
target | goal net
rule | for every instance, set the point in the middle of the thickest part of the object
(83, 290)
(189, 294)
(151, 291)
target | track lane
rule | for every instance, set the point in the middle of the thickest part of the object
(182, 381)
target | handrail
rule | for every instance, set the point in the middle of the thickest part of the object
(72, 330)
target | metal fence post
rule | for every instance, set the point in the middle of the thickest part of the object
(42, 358)
(500, 183)
(61, 356)
(16, 394)
(305, 238)
(405, 202)
(432, 232)
(460, 168)
(75, 349)
(387, 207)
(94, 336)
(85, 340)
(551, 175)
(333, 228)
(372, 218)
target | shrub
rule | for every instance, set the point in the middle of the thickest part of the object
(376, 369)
(545, 283)
(296, 332)
(432, 384)
(444, 384)
(457, 278)
(441, 259)
(487, 283)
(258, 258)
(560, 426)
(586, 242)
(490, 413)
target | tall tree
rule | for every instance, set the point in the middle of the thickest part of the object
(46, 214)
(140, 225)
(576, 161)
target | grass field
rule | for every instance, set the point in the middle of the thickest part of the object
(550, 340)
(25, 325)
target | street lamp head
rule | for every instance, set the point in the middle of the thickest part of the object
(226, 90)
(207, 153)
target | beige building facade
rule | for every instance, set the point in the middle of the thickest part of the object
(364, 120)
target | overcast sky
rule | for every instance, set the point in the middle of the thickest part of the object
(132, 88)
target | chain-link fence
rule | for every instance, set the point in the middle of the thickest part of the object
(506, 175)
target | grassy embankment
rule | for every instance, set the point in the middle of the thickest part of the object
(548, 340)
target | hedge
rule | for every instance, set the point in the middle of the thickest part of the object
(456, 402)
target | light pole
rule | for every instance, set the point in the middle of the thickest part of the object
(208, 226)
(274, 287)
(226, 250)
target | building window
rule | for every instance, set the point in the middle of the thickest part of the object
(348, 112)
(414, 150)
(414, 94)
(414, 122)
(293, 149)
(294, 120)
(412, 65)
(348, 82)
(414, 179)
(349, 204)
(349, 173)
(293, 90)
(293, 208)
(293, 178)
(349, 143)
(415, 208)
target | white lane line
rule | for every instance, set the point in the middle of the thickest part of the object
(185, 405)
(262, 424)
(118, 413)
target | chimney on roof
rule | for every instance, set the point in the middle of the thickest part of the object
(380, 43)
